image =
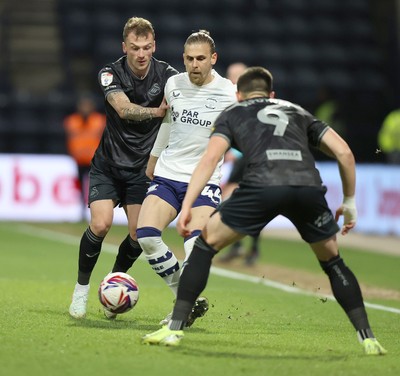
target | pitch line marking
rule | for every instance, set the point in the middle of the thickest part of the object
(110, 248)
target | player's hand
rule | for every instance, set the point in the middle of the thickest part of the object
(349, 211)
(150, 172)
(162, 109)
(151, 166)
(182, 225)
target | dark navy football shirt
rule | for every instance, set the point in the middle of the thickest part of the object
(275, 137)
(127, 144)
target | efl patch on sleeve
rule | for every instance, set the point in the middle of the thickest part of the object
(106, 78)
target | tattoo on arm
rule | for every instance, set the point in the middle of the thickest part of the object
(127, 110)
(137, 113)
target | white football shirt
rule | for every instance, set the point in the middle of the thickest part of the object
(193, 110)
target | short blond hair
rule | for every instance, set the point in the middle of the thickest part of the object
(139, 26)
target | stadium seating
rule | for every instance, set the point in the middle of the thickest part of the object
(292, 32)
(306, 44)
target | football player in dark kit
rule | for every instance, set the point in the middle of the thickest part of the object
(280, 179)
(133, 87)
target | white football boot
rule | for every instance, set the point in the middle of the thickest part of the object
(77, 309)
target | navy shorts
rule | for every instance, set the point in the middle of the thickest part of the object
(174, 192)
(249, 209)
(126, 187)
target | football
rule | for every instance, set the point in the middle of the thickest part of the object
(118, 292)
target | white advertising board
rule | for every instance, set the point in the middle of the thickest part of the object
(44, 188)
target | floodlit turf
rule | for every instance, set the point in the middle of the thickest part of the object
(250, 329)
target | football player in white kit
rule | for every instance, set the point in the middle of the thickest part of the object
(196, 98)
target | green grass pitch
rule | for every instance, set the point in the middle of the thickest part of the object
(251, 329)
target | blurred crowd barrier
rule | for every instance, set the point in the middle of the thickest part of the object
(45, 188)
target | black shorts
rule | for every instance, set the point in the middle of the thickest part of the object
(124, 186)
(250, 209)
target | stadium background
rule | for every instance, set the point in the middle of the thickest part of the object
(52, 50)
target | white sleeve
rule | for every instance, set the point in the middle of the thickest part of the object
(162, 137)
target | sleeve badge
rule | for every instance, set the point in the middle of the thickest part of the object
(106, 78)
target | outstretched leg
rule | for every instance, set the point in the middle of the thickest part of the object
(193, 281)
(347, 292)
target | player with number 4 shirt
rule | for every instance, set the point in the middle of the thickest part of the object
(196, 98)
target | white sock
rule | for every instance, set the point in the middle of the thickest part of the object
(79, 287)
(188, 246)
(162, 260)
(166, 265)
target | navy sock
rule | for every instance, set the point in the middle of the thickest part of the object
(128, 252)
(89, 252)
(192, 282)
(347, 292)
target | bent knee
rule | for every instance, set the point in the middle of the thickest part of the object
(100, 227)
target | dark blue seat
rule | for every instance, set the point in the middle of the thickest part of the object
(172, 24)
(235, 50)
(333, 54)
(268, 52)
(326, 29)
(296, 27)
(338, 78)
(107, 21)
(301, 52)
(170, 49)
(106, 49)
(77, 30)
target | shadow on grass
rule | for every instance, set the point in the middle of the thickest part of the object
(195, 351)
(137, 323)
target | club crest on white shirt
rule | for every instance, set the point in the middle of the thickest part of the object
(211, 103)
